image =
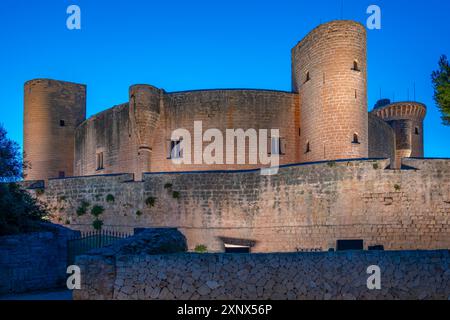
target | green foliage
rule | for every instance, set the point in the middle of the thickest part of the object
(441, 85)
(82, 209)
(97, 224)
(150, 201)
(40, 192)
(110, 198)
(176, 195)
(139, 213)
(19, 211)
(332, 164)
(11, 165)
(376, 166)
(168, 186)
(201, 249)
(397, 187)
(97, 211)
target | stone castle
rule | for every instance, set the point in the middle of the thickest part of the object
(328, 144)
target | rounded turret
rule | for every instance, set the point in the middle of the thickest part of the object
(406, 118)
(329, 73)
(145, 110)
(52, 111)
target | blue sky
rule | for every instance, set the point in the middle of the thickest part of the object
(202, 44)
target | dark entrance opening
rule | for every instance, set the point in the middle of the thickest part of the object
(237, 249)
(344, 245)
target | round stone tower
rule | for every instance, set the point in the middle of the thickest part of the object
(329, 71)
(406, 118)
(145, 110)
(52, 111)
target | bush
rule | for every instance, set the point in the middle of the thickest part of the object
(150, 201)
(110, 198)
(176, 195)
(201, 249)
(376, 166)
(82, 209)
(97, 224)
(331, 164)
(168, 186)
(19, 211)
(97, 211)
(397, 187)
(139, 213)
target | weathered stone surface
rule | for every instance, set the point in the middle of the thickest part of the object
(330, 276)
(148, 241)
(34, 261)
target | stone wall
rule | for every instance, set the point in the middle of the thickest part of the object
(35, 261)
(304, 207)
(312, 276)
(117, 135)
(381, 139)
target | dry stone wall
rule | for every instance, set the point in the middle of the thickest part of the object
(312, 276)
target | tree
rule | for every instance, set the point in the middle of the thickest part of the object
(19, 211)
(441, 84)
(10, 158)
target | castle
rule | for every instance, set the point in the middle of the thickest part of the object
(329, 145)
(324, 117)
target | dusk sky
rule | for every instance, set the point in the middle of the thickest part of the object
(185, 45)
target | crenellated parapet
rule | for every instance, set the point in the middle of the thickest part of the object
(406, 118)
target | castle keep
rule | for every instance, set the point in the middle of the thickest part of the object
(344, 175)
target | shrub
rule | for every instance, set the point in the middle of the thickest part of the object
(201, 248)
(82, 209)
(168, 186)
(97, 224)
(40, 192)
(331, 164)
(139, 213)
(97, 211)
(176, 195)
(376, 166)
(150, 201)
(110, 198)
(397, 187)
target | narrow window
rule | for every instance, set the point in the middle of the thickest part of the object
(62, 123)
(308, 77)
(175, 149)
(416, 131)
(100, 165)
(355, 138)
(355, 66)
(308, 148)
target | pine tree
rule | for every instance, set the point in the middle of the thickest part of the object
(441, 84)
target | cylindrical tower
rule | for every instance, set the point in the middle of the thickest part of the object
(145, 111)
(52, 111)
(329, 72)
(406, 118)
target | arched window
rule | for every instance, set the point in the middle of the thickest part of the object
(355, 66)
(308, 147)
(355, 138)
(416, 131)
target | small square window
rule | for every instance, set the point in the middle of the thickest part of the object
(62, 123)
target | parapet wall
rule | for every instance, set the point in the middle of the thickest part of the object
(305, 276)
(303, 207)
